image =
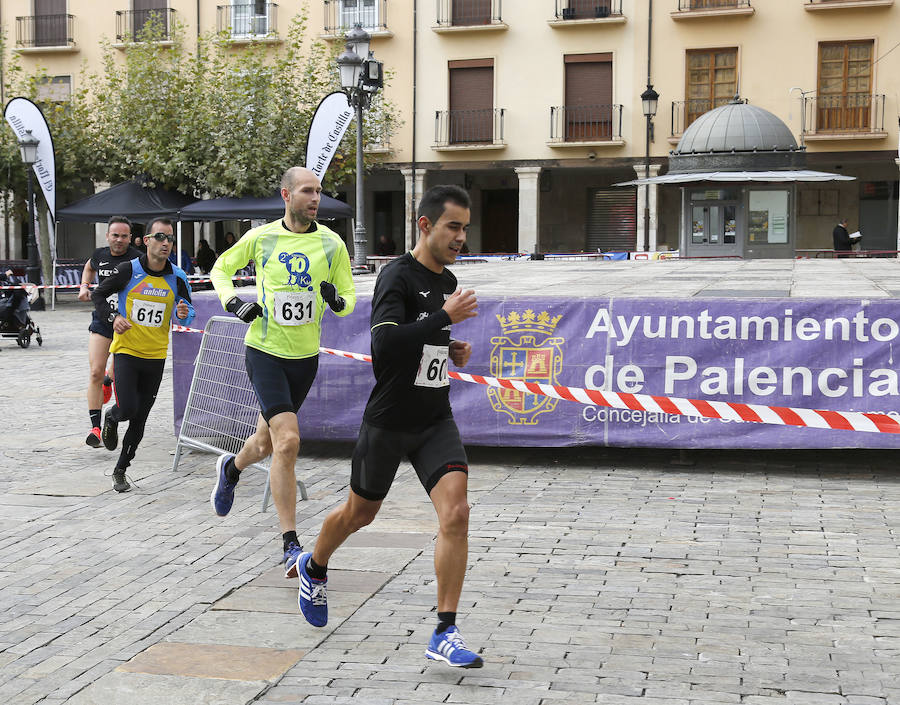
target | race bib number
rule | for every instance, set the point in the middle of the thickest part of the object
(433, 367)
(150, 314)
(113, 300)
(295, 308)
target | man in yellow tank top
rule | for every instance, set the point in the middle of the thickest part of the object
(148, 291)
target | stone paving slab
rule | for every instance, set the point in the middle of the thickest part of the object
(213, 661)
(142, 689)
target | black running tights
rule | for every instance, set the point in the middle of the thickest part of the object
(137, 382)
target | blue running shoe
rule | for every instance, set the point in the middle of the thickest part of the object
(312, 598)
(290, 559)
(222, 496)
(450, 648)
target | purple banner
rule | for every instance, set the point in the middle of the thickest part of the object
(832, 354)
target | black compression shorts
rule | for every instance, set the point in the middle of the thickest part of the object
(280, 384)
(100, 327)
(433, 453)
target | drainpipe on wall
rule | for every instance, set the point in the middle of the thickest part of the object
(640, 245)
(414, 113)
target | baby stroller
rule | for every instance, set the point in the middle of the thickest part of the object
(14, 319)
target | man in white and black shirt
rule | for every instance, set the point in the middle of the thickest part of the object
(408, 415)
(101, 265)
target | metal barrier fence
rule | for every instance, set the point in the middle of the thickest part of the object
(221, 410)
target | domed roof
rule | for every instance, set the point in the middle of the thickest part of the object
(736, 127)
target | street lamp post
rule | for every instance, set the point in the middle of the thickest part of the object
(649, 103)
(28, 146)
(361, 77)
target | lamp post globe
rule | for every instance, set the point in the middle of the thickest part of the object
(649, 101)
(28, 146)
(359, 93)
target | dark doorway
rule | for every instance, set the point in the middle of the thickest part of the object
(384, 223)
(500, 220)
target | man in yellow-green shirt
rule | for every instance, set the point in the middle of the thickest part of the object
(301, 266)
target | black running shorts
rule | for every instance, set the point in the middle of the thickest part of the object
(433, 453)
(100, 327)
(281, 384)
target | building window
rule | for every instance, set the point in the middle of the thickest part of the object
(54, 89)
(250, 19)
(844, 96)
(365, 12)
(50, 23)
(471, 115)
(146, 11)
(588, 108)
(471, 12)
(711, 80)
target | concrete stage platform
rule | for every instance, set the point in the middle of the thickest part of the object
(808, 334)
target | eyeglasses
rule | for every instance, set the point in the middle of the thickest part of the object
(162, 237)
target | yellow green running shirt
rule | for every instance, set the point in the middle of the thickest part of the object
(289, 269)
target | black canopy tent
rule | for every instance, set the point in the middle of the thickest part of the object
(257, 209)
(130, 199)
(141, 204)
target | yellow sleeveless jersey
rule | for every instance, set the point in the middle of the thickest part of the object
(147, 300)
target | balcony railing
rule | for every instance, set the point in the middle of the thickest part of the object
(469, 13)
(255, 19)
(45, 31)
(585, 123)
(130, 23)
(341, 15)
(468, 127)
(687, 5)
(684, 112)
(848, 3)
(587, 9)
(851, 113)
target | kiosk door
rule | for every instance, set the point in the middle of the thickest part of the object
(713, 229)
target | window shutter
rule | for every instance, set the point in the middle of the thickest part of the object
(588, 97)
(471, 103)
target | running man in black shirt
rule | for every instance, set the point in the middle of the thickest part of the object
(102, 264)
(408, 415)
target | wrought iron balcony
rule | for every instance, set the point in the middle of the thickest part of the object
(469, 127)
(684, 112)
(585, 123)
(341, 15)
(130, 23)
(254, 19)
(845, 4)
(688, 5)
(587, 9)
(851, 114)
(469, 13)
(35, 31)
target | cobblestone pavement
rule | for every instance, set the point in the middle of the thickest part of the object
(594, 576)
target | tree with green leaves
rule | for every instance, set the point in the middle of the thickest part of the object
(222, 120)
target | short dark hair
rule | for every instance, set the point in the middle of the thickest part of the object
(118, 219)
(163, 221)
(434, 200)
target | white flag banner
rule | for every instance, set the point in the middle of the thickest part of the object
(24, 115)
(328, 126)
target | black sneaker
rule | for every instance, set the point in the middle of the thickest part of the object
(120, 483)
(110, 433)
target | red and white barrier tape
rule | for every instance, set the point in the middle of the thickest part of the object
(722, 410)
(730, 411)
(191, 280)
